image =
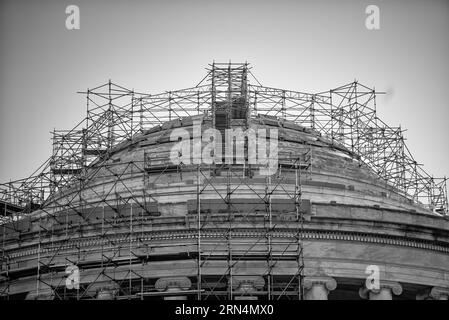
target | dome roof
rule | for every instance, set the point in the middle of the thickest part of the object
(227, 190)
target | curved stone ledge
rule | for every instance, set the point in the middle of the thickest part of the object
(192, 234)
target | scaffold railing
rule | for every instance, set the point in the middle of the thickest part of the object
(345, 115)
(120, 217)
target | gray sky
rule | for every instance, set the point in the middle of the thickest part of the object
(153, 46)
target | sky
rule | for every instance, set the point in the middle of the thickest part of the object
(153, 46)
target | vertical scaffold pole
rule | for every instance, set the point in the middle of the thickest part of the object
(300, 226)
(198, 206)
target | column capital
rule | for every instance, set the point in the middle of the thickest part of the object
(173, 283)
(384, 285)
(439, 293)
(44, 294)
(318, 287)
(106, 294)
(106, 291)
(245, 287)
(434, 293)
(244, 283)
(328, 282)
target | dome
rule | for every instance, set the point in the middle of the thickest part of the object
(229, 202)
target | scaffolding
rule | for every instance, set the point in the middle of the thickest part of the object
(119, 218)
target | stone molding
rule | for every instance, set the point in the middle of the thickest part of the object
(176, 235)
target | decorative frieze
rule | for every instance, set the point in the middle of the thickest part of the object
(182, 234)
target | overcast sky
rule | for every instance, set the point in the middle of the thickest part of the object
(153, 46)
